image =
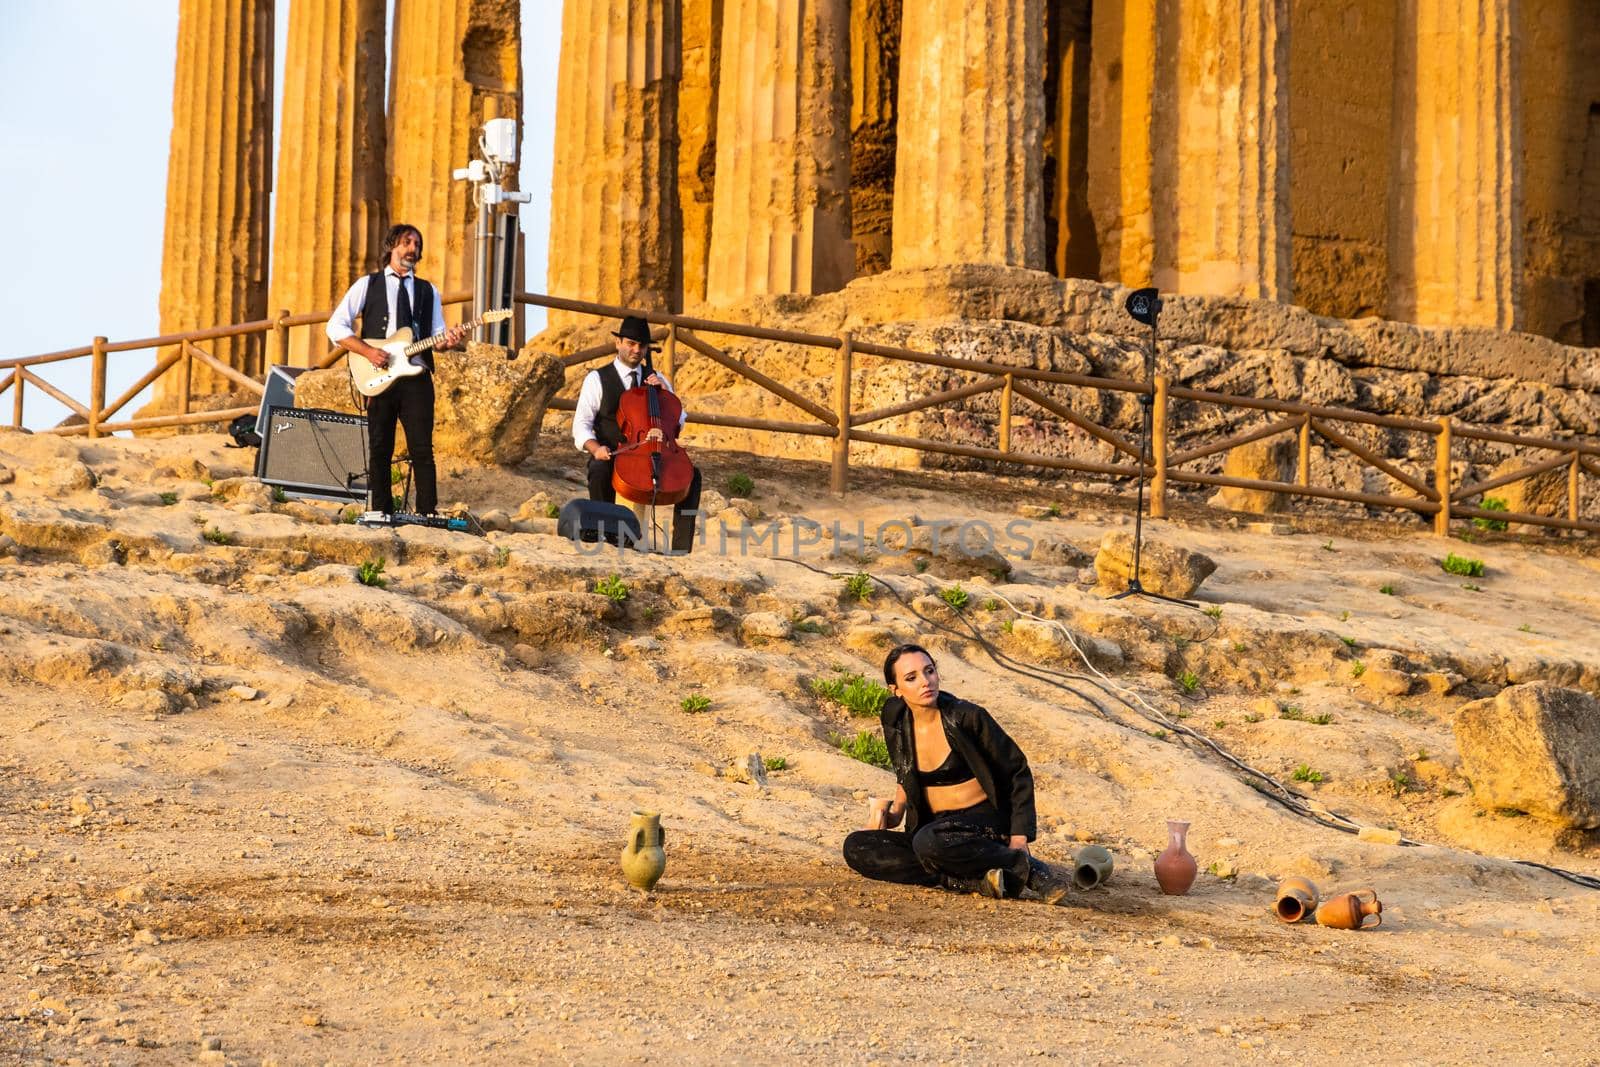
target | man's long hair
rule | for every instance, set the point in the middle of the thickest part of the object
(394, 236)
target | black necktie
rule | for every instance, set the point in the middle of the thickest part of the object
(634, 380)
(402, 307)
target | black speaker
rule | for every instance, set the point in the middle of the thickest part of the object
(312, 453)
(595, 520)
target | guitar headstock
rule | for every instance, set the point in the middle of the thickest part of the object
(498, 316)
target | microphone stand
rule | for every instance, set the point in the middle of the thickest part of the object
(1145, 306)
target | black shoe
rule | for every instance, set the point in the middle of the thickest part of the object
(1050, 883)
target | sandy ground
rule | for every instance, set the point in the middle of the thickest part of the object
(398, 841)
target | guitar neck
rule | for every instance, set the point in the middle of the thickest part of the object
(428, 342)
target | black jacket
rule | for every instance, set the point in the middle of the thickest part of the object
(995, 759)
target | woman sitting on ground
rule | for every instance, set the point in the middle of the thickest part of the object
(965, 792)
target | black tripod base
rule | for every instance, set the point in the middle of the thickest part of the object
(1135, 589)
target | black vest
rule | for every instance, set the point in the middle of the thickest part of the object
(606, 430)
(375, 313)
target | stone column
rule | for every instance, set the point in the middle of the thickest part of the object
(697, 138)
(780, 219)
(1232, 192)
(1460, 226)
(214, 254)
(614, 198)
(969, 162)
(331, 186)
(874, 80)
(456, 64)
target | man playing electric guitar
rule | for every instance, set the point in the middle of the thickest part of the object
(385, 301)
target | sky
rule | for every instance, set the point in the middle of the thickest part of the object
(86, 115)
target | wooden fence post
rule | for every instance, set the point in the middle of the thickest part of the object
(1303, 475)
(1441, 477)
(1158, 447)
(669, 354)
(16, 400)
(1574, 487)
(185, 378)
(283, 337)
(1005, 417)
(97, 386)
(838, 480)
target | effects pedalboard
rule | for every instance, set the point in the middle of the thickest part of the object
(400, 518)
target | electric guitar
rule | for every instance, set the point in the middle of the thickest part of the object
(370, 380)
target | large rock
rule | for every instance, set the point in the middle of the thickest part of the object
(962, 549)
(1540, 494)
(487, 407)
(1163, 568)
(1272, 460)
(1535, 748)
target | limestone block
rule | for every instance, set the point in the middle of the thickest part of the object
(487, 408)
(969, 159)
(1164, 568)
(1535, 748)
(765, 626)
(960, 549)
(1271, 460)
(1540, 494)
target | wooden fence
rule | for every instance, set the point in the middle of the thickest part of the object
(1442, 500)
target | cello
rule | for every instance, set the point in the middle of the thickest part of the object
(645, 471)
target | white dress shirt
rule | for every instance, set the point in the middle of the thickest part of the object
(342, 323)
(589, 401)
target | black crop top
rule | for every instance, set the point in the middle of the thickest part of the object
(953, 771)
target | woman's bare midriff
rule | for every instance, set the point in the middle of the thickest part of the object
(932, 748)
(955, 797)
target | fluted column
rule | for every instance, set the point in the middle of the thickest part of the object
(969, 162)
(874, 79)
(1232, 193)
(331, 186)
(697, 138)
(1460, 195)
(214, 254)
(456, 64)
(780, 218)
(613, 198)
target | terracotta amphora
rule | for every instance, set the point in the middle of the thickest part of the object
(1176, 868)
(1349, 911)
(644, 857)
(1297, 898)
(1091, 866)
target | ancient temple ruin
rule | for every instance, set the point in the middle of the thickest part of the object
(1355, 157)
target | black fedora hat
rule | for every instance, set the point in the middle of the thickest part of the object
(635, 329)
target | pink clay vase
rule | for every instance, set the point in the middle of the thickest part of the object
(1176, 868)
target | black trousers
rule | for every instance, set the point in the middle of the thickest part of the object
(410, 402)
(951, 848)
(600, 488)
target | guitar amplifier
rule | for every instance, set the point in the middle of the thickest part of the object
(315, 454)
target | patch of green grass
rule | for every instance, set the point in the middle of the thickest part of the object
(1240, 647)
(1188, 681)
(810, 626)
(502, 556)
(955, 596)
(613, 588)
(1180, 642)
(990, 604)
(776, 763)
(1462, 566)
(1387, 589)
(858, 586)
(865, 746)
(650, 611)
(1472, 586)
(1525, 628)
(1159, 735)
(218, 537)
(1253, 717)
(279, 496)
(1491, 503)
(1511, 813)
(856, 693)
(371, 573)
(1218, 724)
(1292, 711)
(1215, 611)
(694, 704)
(1400, 782)
(1008, 625)
(1304, 773)
(1053, 510)
(168, 499)
(1447, 792)
(1466, 535)
(1321, 718)
(740, 484)
(552, 511)
(1327, 546)
(1349, 642)
(922, 564)
(1344, 616)
(208, 481)
(1357, 669)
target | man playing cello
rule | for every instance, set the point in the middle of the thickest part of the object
(595, 430)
